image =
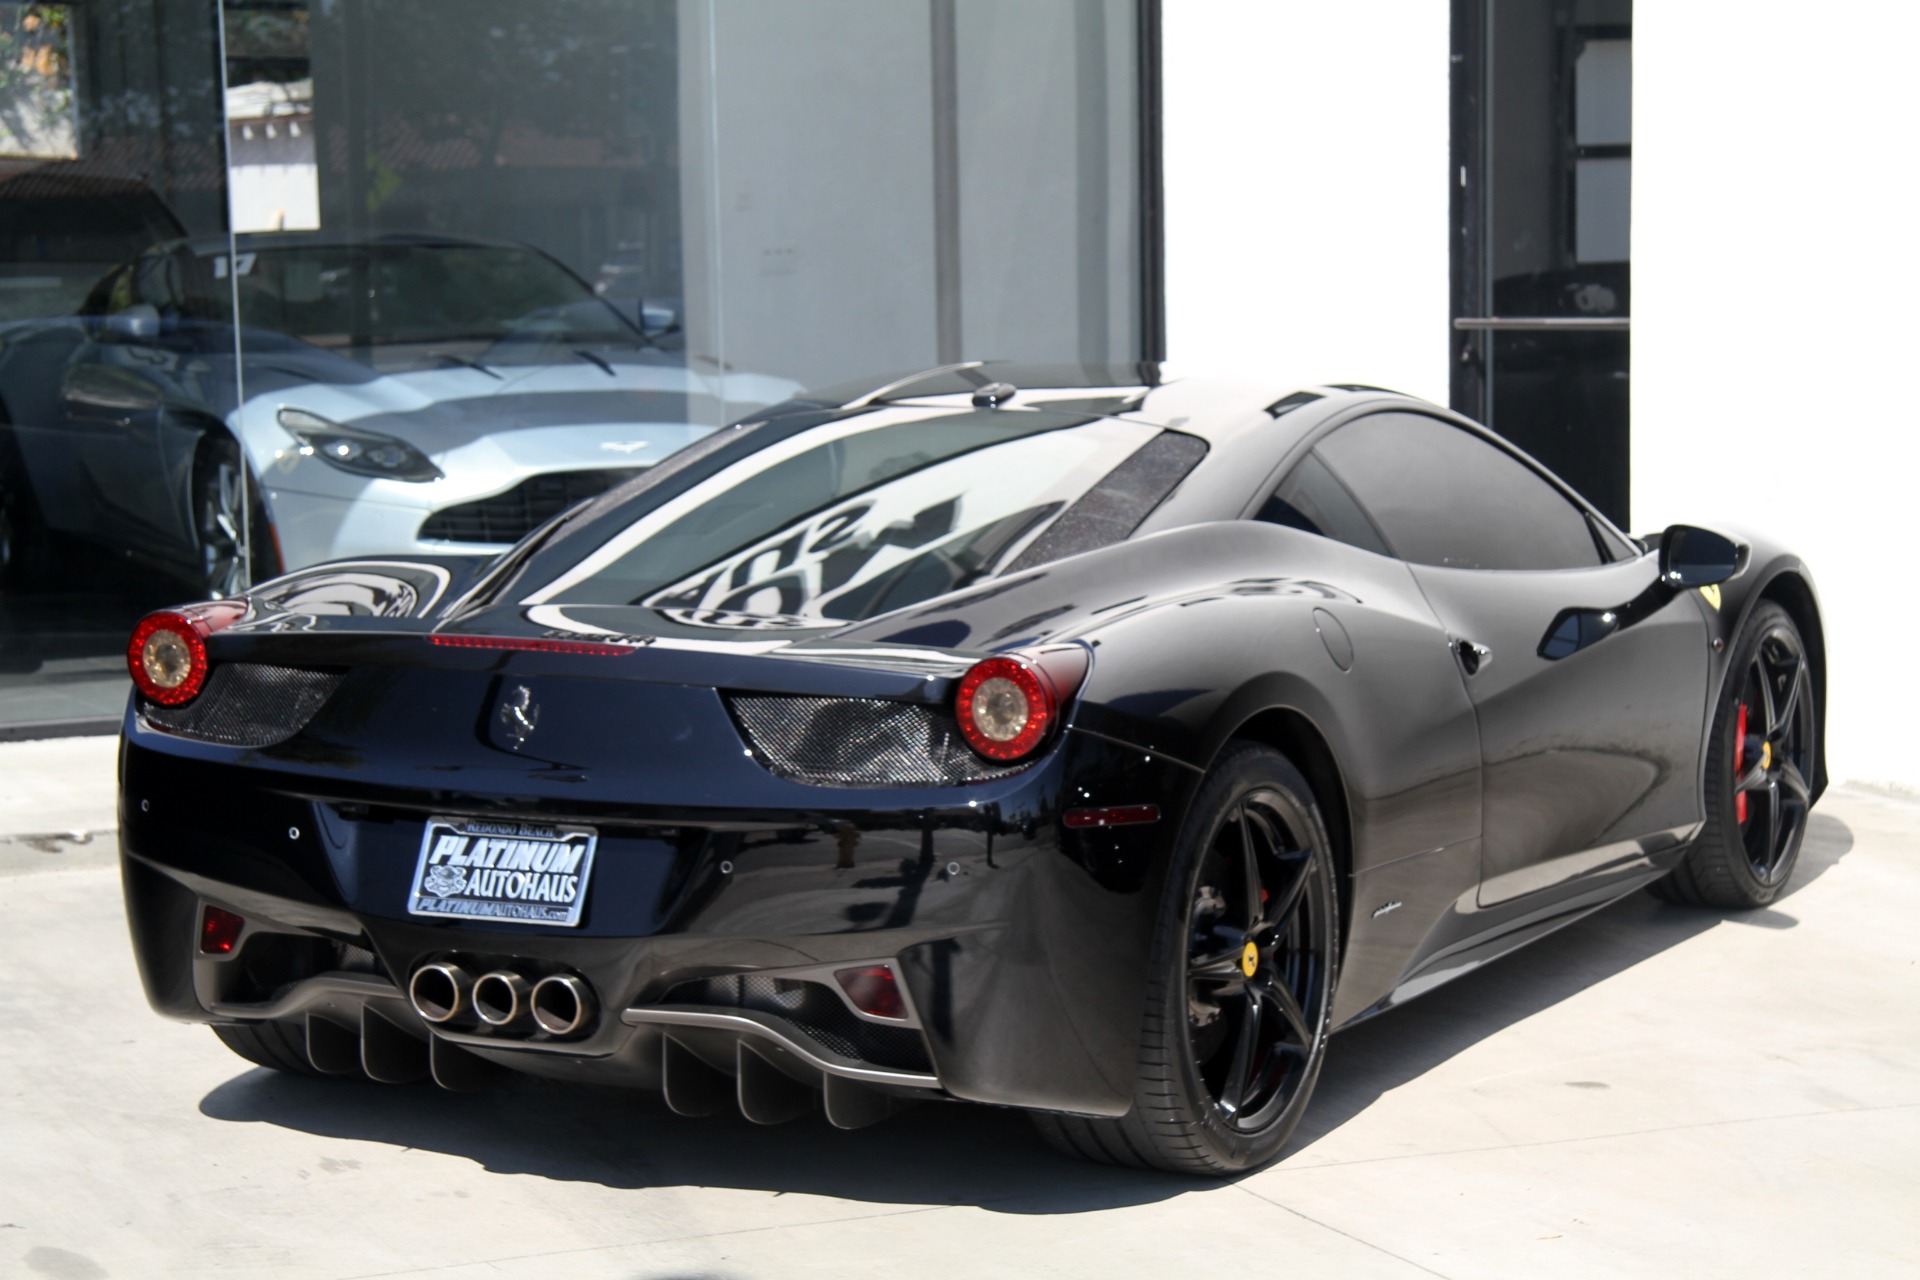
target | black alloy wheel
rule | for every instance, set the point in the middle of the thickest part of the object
(234, 544)
(27, 555)
(1761, 762)
(1239, 1009)
(1256, 962)
(6, 540)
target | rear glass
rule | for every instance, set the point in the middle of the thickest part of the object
(852, 518)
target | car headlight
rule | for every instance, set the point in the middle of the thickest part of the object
(363, 453)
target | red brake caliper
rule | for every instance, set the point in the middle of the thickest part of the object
(1740, 764)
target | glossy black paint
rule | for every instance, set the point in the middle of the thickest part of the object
(1470, 812)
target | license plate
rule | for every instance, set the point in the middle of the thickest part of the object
(486, 869)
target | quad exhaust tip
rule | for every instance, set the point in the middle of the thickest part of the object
(562, 1004)
(501, 997)
(439, 992)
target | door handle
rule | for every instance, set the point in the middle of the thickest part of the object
(1472, 656)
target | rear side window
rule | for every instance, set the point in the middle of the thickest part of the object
(1310, 498)
(1444, 496)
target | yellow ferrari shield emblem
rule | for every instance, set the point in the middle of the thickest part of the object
(1766, 755)
(1711, 594)
(1249, 959)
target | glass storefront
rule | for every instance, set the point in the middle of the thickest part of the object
(1543, 143)
(284, 281)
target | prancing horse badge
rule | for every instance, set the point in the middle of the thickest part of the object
(520, 714)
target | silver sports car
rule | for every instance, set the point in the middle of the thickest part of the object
(406, 394)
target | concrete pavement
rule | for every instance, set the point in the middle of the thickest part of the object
(1653, 1091)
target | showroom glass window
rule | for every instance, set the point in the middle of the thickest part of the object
(1441, 495)
(284, 281)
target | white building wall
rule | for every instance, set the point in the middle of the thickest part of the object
(1306, 155)
(1774, 275)
(1774, 324)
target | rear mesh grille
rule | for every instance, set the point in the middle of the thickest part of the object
(511, 516)
(816, 1013)
(248, 704)
(859, 742)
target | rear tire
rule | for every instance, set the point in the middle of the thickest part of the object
(223, 488)
(1228, 1056)
(1746, 852)
(26, 551)
(277, 1046)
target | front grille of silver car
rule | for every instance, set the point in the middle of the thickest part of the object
(859, 742)
(248, 704)
(816, 1012)
(511, 516)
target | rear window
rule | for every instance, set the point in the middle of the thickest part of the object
(852, 518)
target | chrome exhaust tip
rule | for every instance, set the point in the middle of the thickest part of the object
(500, 997)
(562, 1004)
(439, 992)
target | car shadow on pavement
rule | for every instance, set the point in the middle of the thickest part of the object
(1404, 1044)
(933, 1154)
(938, 1154)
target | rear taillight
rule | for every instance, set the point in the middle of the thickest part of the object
(1007, 706)
(167, 655)
(168, 658)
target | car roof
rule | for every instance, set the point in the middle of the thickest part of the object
(1215, 408)
(1254, 426)
(270, 241)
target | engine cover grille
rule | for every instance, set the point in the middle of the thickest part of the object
(859, 742)
(248, 704)
(511, 516)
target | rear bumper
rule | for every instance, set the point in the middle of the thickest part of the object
(1024, 946)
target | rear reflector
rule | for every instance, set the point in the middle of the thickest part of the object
(219, 931)
(874, 991)
(1125, 815)
(587, 648)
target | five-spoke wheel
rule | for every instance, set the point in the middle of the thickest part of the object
(1762, 759)
(230, 524)
(1772, 753)
(1239, 1006)
(1256, 957)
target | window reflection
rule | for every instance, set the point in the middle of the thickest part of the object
(403, 277)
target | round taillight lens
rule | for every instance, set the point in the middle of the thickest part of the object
(1005, 709)
(167, 658)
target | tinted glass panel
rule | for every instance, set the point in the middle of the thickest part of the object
(1443, 496)
(287, 281)
(1544, 141)
(1312, 499)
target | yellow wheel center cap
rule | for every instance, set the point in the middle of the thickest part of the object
(1249, 959)
(1766, 755)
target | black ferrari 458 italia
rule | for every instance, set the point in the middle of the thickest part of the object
(1055, 739)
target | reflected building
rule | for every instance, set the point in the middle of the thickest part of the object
(284, 282)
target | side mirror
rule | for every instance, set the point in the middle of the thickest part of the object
(657, 321)
(1692, 557)
(137, 323)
